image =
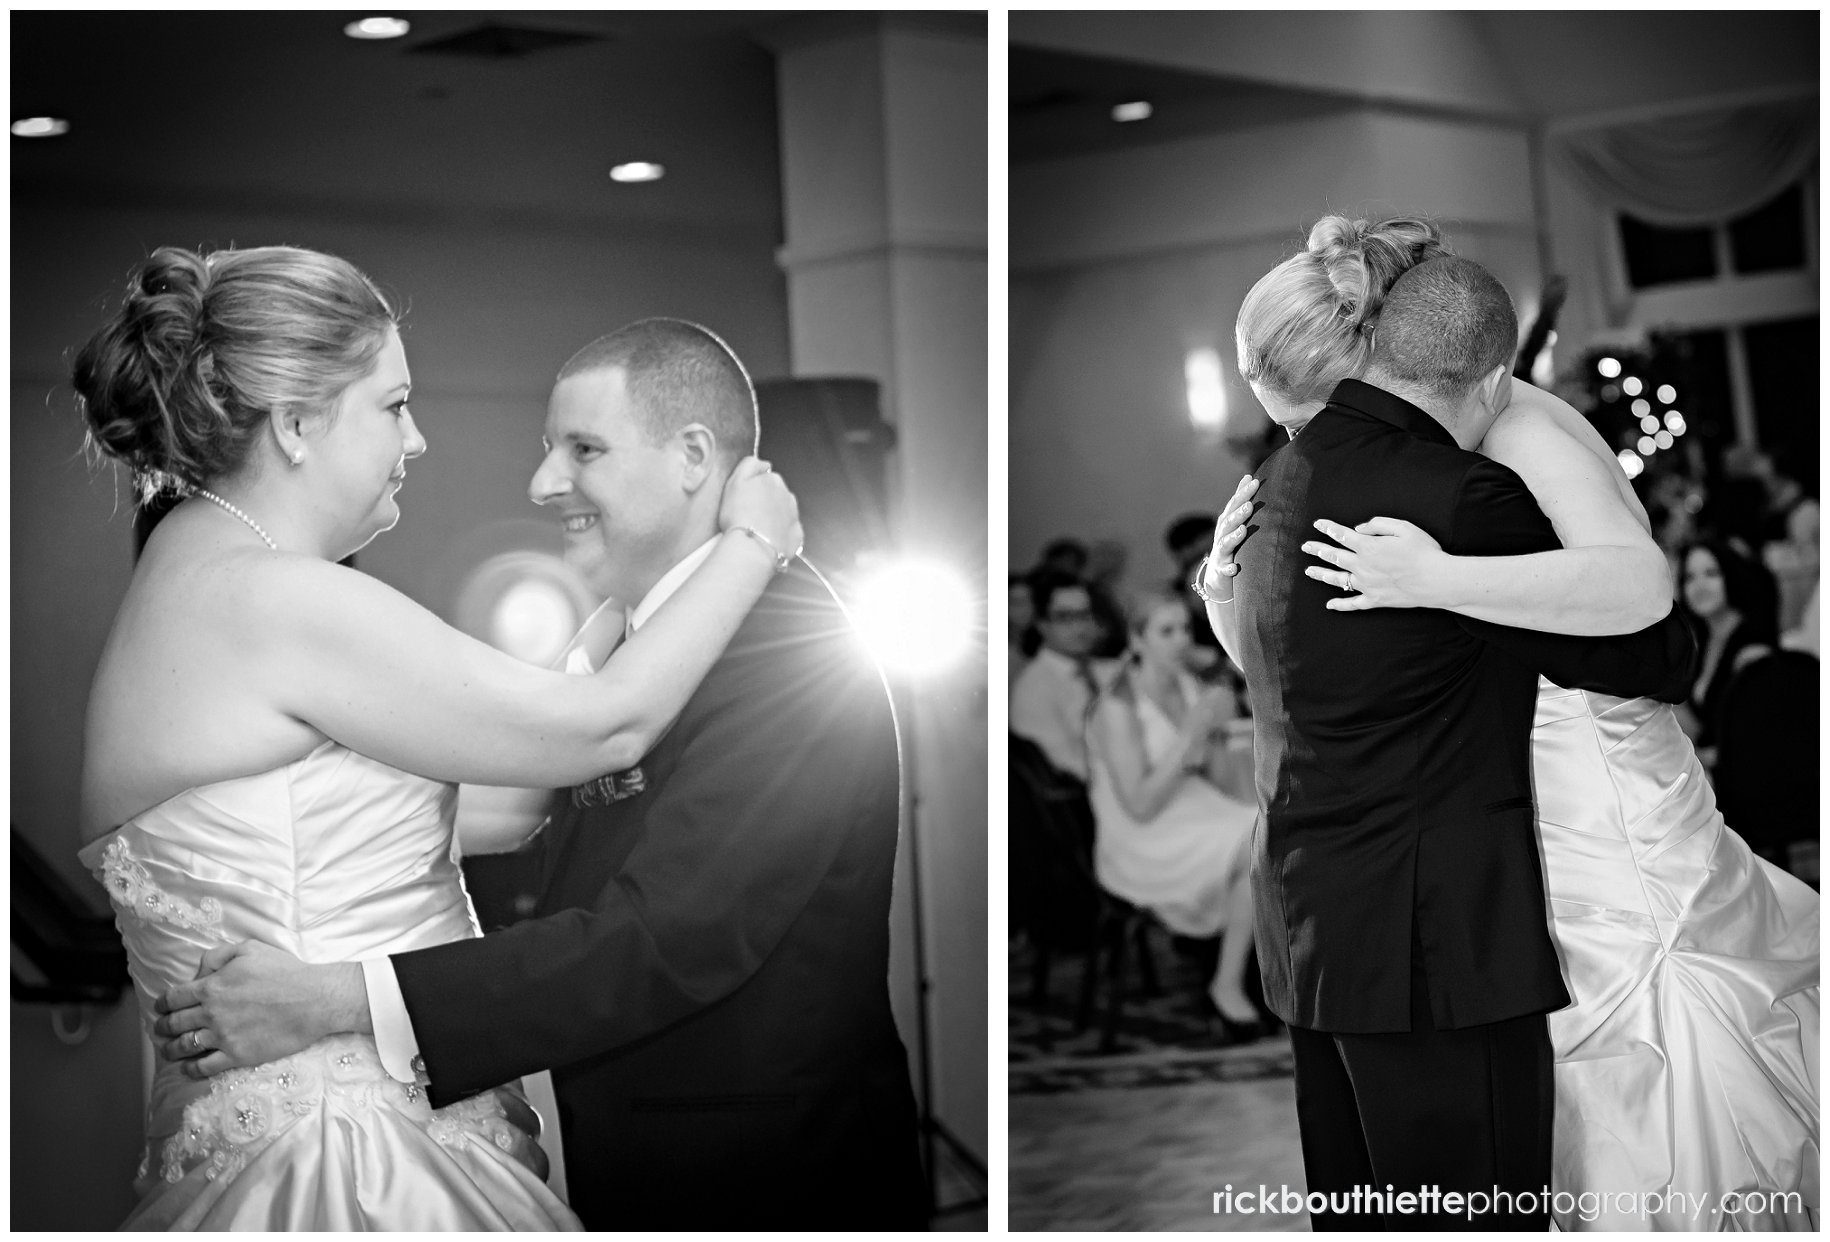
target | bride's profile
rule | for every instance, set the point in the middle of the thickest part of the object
(273, 739)
(1688, 1060)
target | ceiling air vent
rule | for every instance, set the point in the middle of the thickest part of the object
(496, 42)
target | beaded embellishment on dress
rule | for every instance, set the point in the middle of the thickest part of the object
(131, 886)
(244, 1107)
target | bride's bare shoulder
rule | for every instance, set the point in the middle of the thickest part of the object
(1536, 422)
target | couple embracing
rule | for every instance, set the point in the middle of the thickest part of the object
(1517, 947)
(273, 748)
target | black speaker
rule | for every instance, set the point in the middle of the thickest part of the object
(829, 440)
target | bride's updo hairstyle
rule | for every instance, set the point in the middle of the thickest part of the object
(179, 383)
(1307, 324)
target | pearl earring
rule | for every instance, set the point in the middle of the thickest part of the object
(297, 456)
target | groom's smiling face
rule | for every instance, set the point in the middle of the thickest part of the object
(617, 491)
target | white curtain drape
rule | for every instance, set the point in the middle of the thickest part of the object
(1699, 169)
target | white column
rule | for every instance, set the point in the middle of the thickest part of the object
(883, 132)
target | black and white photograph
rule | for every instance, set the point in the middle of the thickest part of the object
(1413, 620)
(499, 559)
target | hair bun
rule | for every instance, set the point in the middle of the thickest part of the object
(144, 379)
(1363, 260)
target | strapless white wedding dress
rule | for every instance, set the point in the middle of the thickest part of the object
(332, 858)
(1688, 1063)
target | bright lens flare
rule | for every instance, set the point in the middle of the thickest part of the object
(916, 616)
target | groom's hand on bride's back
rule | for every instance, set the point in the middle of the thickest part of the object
(251, 1003)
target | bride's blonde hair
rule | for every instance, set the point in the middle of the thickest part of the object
(1308, 322)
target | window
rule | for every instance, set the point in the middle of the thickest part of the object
(1770, 238)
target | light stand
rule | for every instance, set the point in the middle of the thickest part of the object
(933, 1129)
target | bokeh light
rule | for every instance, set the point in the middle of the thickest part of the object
(1647, 446)
(1667, 393)
(1630, 462)
(1674, 422)
(1609, 367)
(1632, 386)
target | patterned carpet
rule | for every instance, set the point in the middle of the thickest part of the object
(1164, 1038)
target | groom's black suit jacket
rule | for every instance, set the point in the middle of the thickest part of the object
(1393, 745)
(707, 972)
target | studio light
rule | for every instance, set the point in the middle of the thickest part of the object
(637, 170)
(40, 127)
(1609, 367)
(378, 28)
(916, 616)
(1136, 110)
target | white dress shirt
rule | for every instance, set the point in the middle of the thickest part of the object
(1048, 705)
(395, 1041)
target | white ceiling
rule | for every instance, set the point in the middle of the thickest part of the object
(1211, 71)
(247, 108)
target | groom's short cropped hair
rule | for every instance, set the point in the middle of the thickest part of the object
(1445, 324)
(678, 373)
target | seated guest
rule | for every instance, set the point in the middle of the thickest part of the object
(1167, 839)
(1105, 566)
(1021, 626)
(1793, 560)
(1065, 555)
(1732, 604)
(1048, 702)
(1188, 539)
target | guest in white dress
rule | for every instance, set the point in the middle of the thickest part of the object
(1167, 838)
(273, 739)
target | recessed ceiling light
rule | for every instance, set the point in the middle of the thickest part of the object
(1136, 110)
(40, 127)
(378, 28)
(638, 170)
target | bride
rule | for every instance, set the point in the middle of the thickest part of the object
(1688, 1062)
(273, 740)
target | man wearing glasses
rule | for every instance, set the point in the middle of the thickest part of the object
(1048, 703)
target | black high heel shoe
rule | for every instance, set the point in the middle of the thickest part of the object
(1236, 1032)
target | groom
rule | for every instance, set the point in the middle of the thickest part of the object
(1401, 915)
(706, 971)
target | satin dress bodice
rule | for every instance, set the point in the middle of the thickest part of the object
(1687, 1065)
(333, 858)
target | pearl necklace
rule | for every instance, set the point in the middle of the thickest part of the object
(252, 524)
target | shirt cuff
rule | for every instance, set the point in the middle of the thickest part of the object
(395, 1042)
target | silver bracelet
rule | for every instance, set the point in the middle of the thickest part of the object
(1199, 585)
(781, 562)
